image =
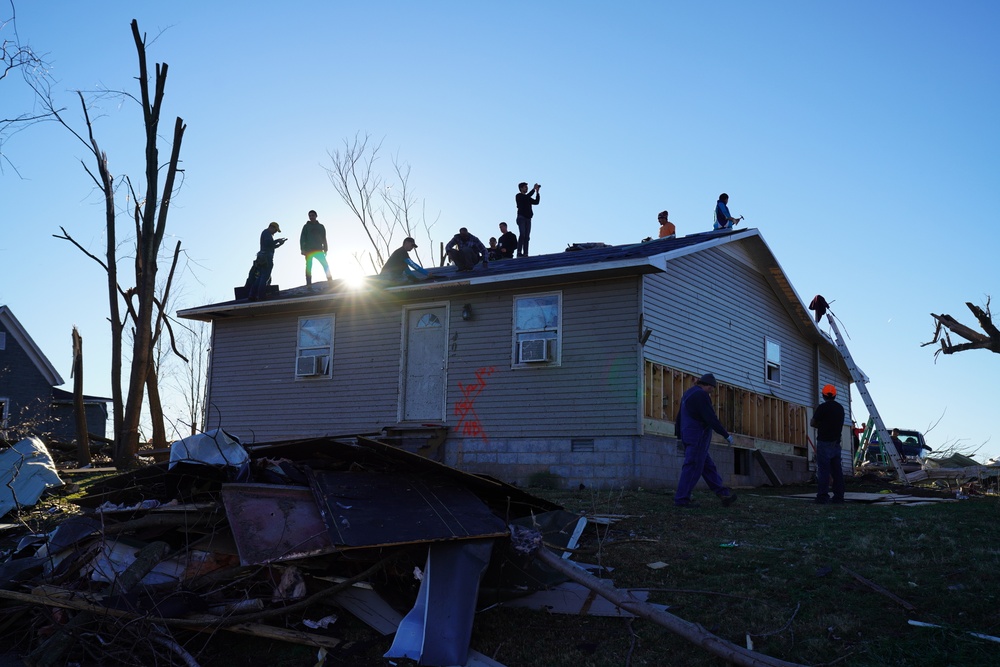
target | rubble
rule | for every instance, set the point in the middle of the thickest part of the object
(275, 540)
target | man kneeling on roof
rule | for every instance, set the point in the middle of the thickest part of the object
(399, 268)
(465, 250)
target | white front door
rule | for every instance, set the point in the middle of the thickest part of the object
(424, 360)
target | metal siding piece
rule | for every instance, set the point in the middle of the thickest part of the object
(438, 628)
(272, 523)
(379, 509)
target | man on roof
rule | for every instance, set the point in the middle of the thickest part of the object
(723, 220)
(465, 251)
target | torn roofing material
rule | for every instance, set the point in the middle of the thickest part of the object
(26, 471)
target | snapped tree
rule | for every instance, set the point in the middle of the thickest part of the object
(143, 307)
(976, 340)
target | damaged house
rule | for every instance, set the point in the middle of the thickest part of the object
(569, 365)
(29, 398)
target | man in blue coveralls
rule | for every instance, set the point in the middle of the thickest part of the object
(695, 422)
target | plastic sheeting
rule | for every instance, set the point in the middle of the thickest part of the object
(214, 448)
(26, 471)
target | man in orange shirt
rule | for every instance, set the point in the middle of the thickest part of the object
(667, 229)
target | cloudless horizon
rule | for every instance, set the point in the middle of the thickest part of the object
(859, 138)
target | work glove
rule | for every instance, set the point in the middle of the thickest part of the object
(729, 439)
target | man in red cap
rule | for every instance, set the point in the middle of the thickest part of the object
(828, 420)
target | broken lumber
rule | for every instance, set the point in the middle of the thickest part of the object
(878, 589)
(692, 632)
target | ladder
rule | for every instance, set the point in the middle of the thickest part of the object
(861, 381)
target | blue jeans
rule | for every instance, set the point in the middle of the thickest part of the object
(828, 465)
(523, 235)
(698, 463)
(259, 286)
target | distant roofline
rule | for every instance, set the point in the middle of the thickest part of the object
(34, 352)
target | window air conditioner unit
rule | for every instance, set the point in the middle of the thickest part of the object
(306, 366)
(534, 350)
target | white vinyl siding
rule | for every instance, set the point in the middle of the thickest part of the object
(710, 312)
(593, 392)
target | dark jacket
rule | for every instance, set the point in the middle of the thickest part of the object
(396, 263)
(524, 203)
(507, 243)
(828, 420)
(312, 238)
(267, 245)
(696, 418)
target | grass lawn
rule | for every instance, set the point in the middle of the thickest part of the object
(783, 584)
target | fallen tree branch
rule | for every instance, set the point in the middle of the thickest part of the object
(977, 341)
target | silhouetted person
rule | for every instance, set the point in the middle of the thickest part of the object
(524, 214)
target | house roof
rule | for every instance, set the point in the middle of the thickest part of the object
(63, 396)
(14, 328)
(579, 261)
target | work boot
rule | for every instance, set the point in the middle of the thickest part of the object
(729, 500)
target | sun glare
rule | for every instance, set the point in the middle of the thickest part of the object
(354, 280)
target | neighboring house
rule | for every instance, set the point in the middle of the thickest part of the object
(29, 399)
(569, 364)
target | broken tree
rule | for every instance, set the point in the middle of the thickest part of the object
(977, 341)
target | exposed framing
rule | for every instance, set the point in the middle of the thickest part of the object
(742, 411)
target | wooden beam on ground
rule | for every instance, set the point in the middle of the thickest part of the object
(766, 467)
(693, 632)
(878, 589)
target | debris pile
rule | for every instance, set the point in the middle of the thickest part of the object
(273, 540)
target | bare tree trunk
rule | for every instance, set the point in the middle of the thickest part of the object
(155, 409)
(150, 226)
(80, 412)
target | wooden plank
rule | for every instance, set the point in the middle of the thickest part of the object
(766, 467)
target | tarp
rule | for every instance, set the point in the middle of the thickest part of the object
(26, 470)
(214, 448)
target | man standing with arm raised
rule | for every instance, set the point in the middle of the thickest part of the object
(524, 203)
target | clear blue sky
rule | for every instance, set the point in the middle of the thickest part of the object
(859, 137)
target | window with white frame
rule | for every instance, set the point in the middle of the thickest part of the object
(772, 361)
(314, 351)
(537, 331)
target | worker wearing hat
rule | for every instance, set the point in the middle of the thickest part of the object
(265, 261)
(828, 420)
(399, 268)
(695, 422)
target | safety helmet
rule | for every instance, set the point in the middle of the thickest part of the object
(829, 390)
